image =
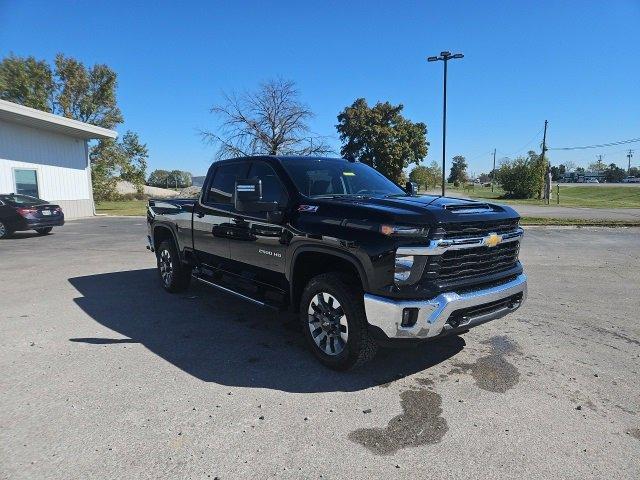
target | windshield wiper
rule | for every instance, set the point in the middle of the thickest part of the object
(342, 195)
(390, 195)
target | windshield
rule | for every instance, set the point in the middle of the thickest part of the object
(337, 177)
(15, 200)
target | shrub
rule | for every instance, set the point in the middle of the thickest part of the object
(520, 178)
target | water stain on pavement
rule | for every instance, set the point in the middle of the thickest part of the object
(493, 372)
(419, 423)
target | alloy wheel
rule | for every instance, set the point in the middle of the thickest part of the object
(166, 267)
(3, 230)
(328, 324)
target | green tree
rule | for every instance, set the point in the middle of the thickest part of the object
(614, 174)
(113, 160)
(159, 178)
(427, 175)
(106, 158)
(179, 179)
(381, 137)
(420, 176)
(27, 81)
(598, 166)
(135, 156)
(522, 177)
(539, 169)
(458, 172)
(634, 172)
(87, 94)
(484, 177)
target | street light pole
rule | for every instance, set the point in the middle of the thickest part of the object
(445, 57)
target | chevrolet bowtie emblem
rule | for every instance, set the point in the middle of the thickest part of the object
(492, 239)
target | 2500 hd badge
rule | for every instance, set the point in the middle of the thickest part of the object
(363, 262)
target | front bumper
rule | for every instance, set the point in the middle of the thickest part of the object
(447, 311)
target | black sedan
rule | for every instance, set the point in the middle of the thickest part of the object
(22, 212)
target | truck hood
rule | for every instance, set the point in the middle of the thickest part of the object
(425, 209)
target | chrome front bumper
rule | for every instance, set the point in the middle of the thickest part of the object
(433, 314)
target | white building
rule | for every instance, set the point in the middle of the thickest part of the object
(47, 156)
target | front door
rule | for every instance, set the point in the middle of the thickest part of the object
(258, 244)
(213, 214)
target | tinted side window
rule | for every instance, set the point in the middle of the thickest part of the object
(223, 183)
(272, 188)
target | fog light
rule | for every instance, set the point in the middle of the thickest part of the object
(403, 266)
(409, 317)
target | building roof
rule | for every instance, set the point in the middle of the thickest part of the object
(31, 117)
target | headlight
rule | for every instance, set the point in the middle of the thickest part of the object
(402, 272)
(404, 230)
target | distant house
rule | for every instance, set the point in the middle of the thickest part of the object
(47, 156)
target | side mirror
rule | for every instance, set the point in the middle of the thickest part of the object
(411, 188)
(248, 197)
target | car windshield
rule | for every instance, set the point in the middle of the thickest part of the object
(16, 200)
(326, 177)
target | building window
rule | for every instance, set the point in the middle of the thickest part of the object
(26, 182)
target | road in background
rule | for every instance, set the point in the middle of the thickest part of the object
(104, 375)
(554, 211)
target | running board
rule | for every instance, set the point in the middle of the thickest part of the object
(233, 292)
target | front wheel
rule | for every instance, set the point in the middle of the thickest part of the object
(334, 322)
(174, 275)
(44, 231)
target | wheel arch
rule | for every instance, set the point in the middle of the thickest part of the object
(308, 261)
(163, 232)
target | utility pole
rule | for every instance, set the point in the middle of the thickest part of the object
(547, 180)
(444, 57)
(493, 172)
(629, 155)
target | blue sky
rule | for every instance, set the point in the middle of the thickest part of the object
(575, 63)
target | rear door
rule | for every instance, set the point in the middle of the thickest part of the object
(212, 215)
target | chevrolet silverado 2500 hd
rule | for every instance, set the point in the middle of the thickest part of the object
(363, 261)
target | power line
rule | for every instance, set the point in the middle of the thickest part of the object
(525, 145)
(602, 145)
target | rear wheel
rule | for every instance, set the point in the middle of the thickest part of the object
(4, 231)
(44, 231)
(174, 275)
(334, 322)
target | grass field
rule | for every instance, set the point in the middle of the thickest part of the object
(593, 196)
(138, 207)
(126, 207)
(577, 222)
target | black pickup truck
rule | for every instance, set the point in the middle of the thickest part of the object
(363, 261)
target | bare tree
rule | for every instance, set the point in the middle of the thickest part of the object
(269, 121)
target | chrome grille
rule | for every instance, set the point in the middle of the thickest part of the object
(476, 229)
(480, 261)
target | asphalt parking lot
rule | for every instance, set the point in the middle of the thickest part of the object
(104, 375)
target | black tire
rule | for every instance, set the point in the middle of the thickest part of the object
(44, 231)
(359, 347)
(175, 276)
(5, 231)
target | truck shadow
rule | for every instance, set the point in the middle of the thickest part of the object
(218, 338)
